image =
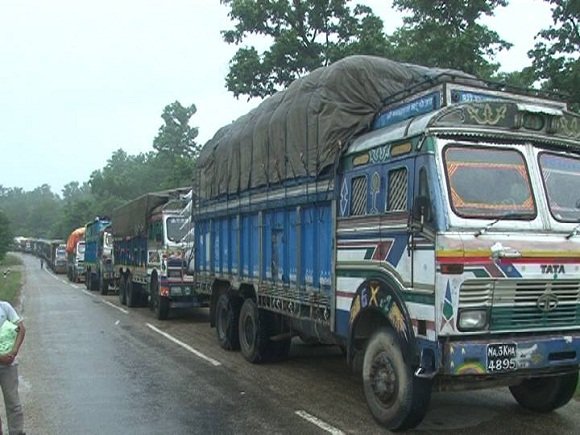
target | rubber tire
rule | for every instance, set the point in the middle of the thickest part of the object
(94, 283)
(131, 291)
(545, 394)
(123, 290)
(253, 333)
(227, 317)
(407, 405)
(162, 308)
(103, 285)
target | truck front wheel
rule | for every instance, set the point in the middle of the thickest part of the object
(545, 394)
(132, 296)
(227, 313)
(396, 398)
(103, 285)
(123, 290)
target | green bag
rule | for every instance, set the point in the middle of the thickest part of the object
(8, 333)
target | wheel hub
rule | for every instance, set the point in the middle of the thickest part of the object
(384, 379)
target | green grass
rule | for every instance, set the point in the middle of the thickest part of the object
(10, 278)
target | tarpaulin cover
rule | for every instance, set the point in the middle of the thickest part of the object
(73, 239)
(301, 131)
(130, 219)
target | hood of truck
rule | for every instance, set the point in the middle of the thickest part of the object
(527, 281)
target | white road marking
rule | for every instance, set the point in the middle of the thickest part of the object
(185, 346)
(318, 422)
(123, 310)
(89, 293)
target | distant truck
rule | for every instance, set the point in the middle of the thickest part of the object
(75, 250)
(59, 261)
(424, 221)
(99, 272)
(150, 254)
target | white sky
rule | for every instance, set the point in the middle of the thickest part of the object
(80, 79)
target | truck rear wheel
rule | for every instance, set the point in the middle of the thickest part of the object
(545, 394)
(396, 398)
(253, 333)
(227, 315)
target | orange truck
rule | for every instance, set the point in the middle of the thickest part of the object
(75, 255)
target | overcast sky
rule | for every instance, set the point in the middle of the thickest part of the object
(79, 80)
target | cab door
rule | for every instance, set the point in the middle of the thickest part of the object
(422, 226)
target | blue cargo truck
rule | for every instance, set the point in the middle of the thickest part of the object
(422, 220)
(99, 272)
(150, 254)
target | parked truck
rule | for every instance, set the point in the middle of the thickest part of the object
(149, 254)
(58, 256)
(75, 250)
(99, 271)
(421, 219)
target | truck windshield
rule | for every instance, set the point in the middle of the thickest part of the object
(488, 182)
(561, 176)
(176, 228)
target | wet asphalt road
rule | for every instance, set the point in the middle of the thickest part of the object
(90, 366)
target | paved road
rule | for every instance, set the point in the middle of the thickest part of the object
(91, 366)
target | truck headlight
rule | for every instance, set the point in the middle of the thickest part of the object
(472, 319)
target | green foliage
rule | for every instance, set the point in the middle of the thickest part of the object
(33, 214)
(10, 260)
(11, 283)
(555, 56)
(6, 235)
(176, 146)
(305, 35)
(447, 34)
(176, 137)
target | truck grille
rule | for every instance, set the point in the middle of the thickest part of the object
(514, 303)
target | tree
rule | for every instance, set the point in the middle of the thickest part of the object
(176, 137)
(555, 58)
(124, 177)
(176, 146)
(6, 236)
(305, 35)
(447, 34)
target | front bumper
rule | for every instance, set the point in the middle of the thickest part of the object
(532, 353)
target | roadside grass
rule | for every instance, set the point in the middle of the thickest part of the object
(10, 278)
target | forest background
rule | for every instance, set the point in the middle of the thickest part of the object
(302, 36)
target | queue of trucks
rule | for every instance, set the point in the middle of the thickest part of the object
(424, 221)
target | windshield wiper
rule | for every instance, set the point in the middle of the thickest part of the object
(509, 215)
(574, 232)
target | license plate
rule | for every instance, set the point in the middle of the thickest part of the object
(501, 357)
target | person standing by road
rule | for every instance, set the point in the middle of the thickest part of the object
(12, 333)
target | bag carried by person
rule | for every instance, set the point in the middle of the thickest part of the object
(8, 333)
